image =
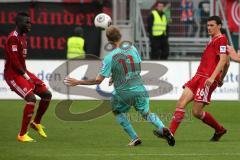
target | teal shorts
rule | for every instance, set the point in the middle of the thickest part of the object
(121, 102)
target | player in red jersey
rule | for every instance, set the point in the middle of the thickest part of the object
(210, 74)
(23, 82)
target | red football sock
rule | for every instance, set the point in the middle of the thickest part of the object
(177, 119)
(208, 119)
(43, 105)
(27, 116)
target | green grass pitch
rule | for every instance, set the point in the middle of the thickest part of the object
(103, 138)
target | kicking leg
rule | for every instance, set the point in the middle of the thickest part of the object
(178, 115)
(161, 131)
(154, 119)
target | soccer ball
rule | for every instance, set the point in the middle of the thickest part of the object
(102, 20)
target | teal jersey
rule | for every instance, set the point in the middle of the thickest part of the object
(124, 66)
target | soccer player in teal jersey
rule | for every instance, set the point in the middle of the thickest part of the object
(123, 66)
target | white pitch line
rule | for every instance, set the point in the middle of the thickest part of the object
(180, 154)
(150, 154)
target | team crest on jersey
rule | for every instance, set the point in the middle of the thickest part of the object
(222, 49)
(14, 48)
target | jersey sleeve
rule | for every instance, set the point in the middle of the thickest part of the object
(221, 45)
(106, 67)
(12, 50)
(137, 53)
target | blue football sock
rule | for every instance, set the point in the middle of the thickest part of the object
(124, 122)
(154, 119)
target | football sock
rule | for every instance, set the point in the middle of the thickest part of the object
(176, 119)
(27, 115)
(208, 119)
(43, 105)
(124, 122)
(154, 119)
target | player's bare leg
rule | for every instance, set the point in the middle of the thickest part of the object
(208, 119)
(27, 115)
(178, 116)
(42, 108)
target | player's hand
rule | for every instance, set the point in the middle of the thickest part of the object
(71, 81)
(37, 83)
(32, 83)
(209, 82)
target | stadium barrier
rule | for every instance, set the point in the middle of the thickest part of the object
(166, 72)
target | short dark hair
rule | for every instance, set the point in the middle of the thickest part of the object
(113, 34)
(217, 19)
(223, 31)
(20, 16)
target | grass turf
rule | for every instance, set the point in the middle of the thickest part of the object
(103, 138)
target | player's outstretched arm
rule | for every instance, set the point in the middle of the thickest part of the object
(74, 82)
(233, 54)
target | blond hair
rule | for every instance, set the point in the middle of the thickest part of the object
(113, 34)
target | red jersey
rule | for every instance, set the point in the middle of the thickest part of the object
(210, 58)
(15, 54)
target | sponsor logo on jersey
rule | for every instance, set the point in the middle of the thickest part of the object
(222, 49)
(14, 48)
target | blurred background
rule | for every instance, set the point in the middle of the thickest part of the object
(54, 21)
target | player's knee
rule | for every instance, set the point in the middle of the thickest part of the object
(47, 95)
(180, 104)
(197, 113)
(31, 98)
(145, 114)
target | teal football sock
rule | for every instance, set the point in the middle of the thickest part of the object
(154, 119)
(124, 122)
